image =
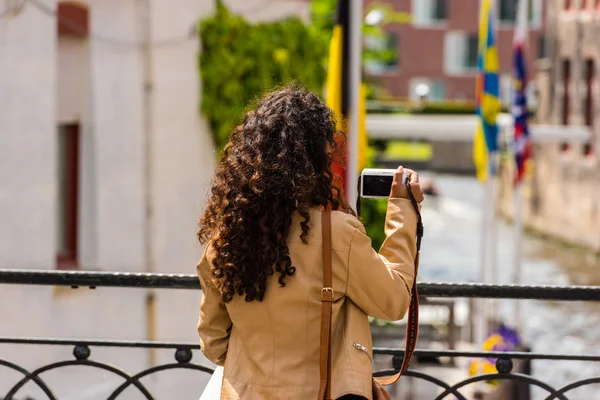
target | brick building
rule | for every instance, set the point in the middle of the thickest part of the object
(439, 47)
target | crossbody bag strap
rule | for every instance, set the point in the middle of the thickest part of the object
(412, 327)
(326, 308)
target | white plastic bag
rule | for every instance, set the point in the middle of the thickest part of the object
(212, 391)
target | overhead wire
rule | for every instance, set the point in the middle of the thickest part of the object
(77, 28)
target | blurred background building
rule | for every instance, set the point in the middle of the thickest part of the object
(439, 47)
(563, 196)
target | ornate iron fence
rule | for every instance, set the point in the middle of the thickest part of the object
(183, 352)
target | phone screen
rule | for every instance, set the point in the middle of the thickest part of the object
(377, 185)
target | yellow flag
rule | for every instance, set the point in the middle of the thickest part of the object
(480, 152)
(334, 75)
(363, 141)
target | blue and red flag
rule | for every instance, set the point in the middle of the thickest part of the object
(522, 138)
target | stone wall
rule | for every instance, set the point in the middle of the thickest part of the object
(561, 198)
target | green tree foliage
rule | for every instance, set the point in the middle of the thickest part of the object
(372, 211)
(323, 14)
(240, 61)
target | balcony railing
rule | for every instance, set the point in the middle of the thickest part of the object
(183, 352)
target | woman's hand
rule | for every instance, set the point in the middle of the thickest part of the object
(399, 189)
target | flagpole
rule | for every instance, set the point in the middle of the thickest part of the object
(518, 226)
(520, 34)
(481, 309)
(487, 64)
(483, 273)
(355, 36)
(480, 317)
(495, 315)
(490, 276)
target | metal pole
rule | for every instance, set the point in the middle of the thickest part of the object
(479, 317)
(356, 20)
(493, 273)
(485, 252)
(518, 239)
(148, 135)
(522, 26)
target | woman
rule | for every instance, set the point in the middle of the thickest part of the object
(261, 273)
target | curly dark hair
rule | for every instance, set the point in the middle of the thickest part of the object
(276, 162)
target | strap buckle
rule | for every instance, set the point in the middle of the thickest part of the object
(327, 294)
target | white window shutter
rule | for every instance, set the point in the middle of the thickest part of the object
(455, 47)
(421, 12)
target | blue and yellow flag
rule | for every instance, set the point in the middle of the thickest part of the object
(487, 93)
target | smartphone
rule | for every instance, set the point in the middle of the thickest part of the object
(377, 183)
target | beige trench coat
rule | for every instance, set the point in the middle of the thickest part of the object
(270, 349)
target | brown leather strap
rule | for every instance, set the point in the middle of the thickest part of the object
(412, 327)
(326, 311)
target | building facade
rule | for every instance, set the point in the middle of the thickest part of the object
(439, 47)
(104, 165)
(562, 196)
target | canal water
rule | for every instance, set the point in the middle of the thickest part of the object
(451, 253)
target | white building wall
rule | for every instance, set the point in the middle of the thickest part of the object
(27, 141)
(184, 162)
(111, 214)
(111, 206)
(116, 125)
(27, 172)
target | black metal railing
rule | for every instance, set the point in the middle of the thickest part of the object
(183, 352)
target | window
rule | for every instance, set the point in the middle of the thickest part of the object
(566, 71)
(541, 46)
(460, 52)
(507, 12)
(68, 194)
(429, 12)
(439, 12)
(566, 96)
(438, 90)
(589, 79)
(381, 53)
(590, 76)
(72, 68)
(472, 51)
(73, 19)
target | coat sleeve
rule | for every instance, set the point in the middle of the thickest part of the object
(381, 284)
(214, 323)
